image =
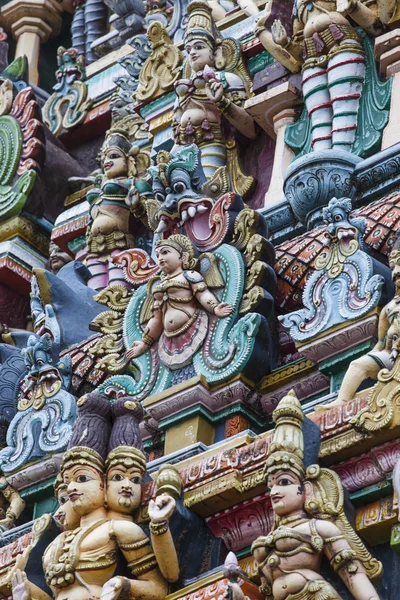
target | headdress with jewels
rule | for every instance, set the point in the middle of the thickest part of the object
(286, 451)
(181, 244)
(200, 23)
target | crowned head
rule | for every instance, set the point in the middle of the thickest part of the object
(175, 252)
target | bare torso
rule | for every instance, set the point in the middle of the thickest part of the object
(167, 298)
(289, 574)
(319, 17)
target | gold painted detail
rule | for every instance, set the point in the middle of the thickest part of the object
(381, 411)
(110, 347)
(162, 68)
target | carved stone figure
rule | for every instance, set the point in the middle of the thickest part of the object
(68, 106)
(81, 563)
(44, 404)
(205, 209)
(179, 303)
(333, 68)
(112, 226)
(9, 514)
(210, 97)
(346, 283)
(385, 351)
(309, 522)
(65, 514)
(57, 258)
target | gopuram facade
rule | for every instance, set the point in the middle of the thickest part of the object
(199, 300)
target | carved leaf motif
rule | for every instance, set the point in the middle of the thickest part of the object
(383, 399)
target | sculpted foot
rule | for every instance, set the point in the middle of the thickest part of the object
(334, 404)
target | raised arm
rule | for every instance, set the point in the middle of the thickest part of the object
(344, 561)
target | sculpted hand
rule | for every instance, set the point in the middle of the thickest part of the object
(262, 19)
(6, 524)
(161, 508)
(279, 34)
(112, 589)
(234, 592)
(138, 348)
(20, 586)
(223, 309)
(344, 6)
(214, 91)
(133, 199)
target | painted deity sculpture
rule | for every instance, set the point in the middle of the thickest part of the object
(210, 97)
(112, 225)
(57, 258)
(346, 284)
(96, 518)
(204, 209)
(333, 63)
(309, 522)
(385, 351)
(179, 303)
(44, 403)
(11, 505)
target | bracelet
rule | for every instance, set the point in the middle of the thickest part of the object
(147, 339)
(158, 528)
(223, 104)
(11, 515)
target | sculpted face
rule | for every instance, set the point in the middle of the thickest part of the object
(124, 489)
(287, 493)
(394, 264)
(115, 163)
(65, 514)
(85, 489)
(169, 259)
(200, 54)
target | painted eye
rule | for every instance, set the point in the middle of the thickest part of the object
(40, 362)
(117, 477)
(63, 499)
(284, 481)
(159, 197)
(82, 479)
(136, 480)
(179, 187)
(338, 218)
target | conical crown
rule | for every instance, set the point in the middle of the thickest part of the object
(286, 450)
(200, 22)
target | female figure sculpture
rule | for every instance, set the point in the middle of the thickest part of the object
(176, 312)
(309, 522)
(112, 224)
(211, 96)
(333, 63)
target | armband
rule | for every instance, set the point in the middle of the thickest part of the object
(135, 545)
(344, 558)
(147, 339)
(158, 528)
(140, 566)
(223, 105)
